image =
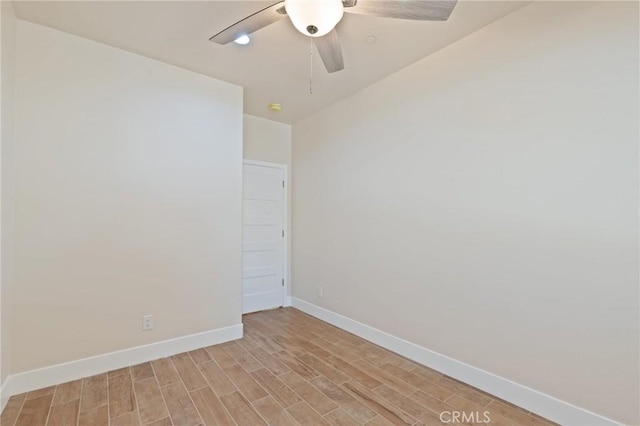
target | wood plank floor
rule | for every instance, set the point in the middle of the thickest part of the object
(289, 369)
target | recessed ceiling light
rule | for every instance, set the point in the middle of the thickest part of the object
(275, 107)
(370, 39)
(243, 39)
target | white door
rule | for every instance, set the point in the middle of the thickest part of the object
(262, 238)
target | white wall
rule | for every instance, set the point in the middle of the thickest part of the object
(8, 40)
(266, 140)
(270, 141)
(128, 196)
(483, 203)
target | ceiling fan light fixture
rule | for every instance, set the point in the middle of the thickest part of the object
(243, 39)
(314, 18)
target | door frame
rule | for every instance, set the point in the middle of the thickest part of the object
(285, 222)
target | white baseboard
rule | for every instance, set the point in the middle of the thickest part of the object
(73, 370)
(527, 398)
(287, 301)
(4, 397)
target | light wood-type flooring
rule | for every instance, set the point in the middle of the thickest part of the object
(289, 369)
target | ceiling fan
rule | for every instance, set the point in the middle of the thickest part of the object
(318, 18)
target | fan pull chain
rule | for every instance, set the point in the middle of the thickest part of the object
(310, 66)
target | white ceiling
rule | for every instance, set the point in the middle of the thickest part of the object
(275, 66)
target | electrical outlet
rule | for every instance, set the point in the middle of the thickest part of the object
(147, 322)
(320, 293)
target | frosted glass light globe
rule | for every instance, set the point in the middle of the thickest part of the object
(314, 18)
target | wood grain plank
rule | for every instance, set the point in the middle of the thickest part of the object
(261, 327)
(218, 380)
(421, 382)
(427, 373)
(12, 410)
(276, 387)
(162, 422)
(422, 379)
(428, 401)
(466, 391)
(541, 421)
(345, 345)
(147, 390)
(323, 368)
(182, 411)
(64, 414)
(378, 421)
(49, 390)
(353, 372)
(306, 416)
(299, 331)
(173, 391)
(407, 405)
(210, 407)
(119, 372)
(269, 344)
(385, 409)
(153, 410)
(241, 411)
(376, 361)
(34, 411)
(346, 336)
(348, 403)
(405, 364)
(66, 392)
(121, 396)
(379, 356)
(97, 416)
(311, 395)
(165, 371)
(273, 412)
(335, 350)
(289, 345)
(151, 406)
(339, 417)
(200, 355)
(267, 360)
(188, 371)
(142, 372)
(388, 379)
(302, 369)
(129, 419)
(94, 393)
(248, 343)
(436, 391)
(510, 412)
(220, 356)
(245, 383)
(242, 357)
(312, 348)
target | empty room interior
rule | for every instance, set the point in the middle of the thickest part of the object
(320, 212)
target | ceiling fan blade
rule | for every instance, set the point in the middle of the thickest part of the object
(330, 51)
(251, 23)
(420, 10)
